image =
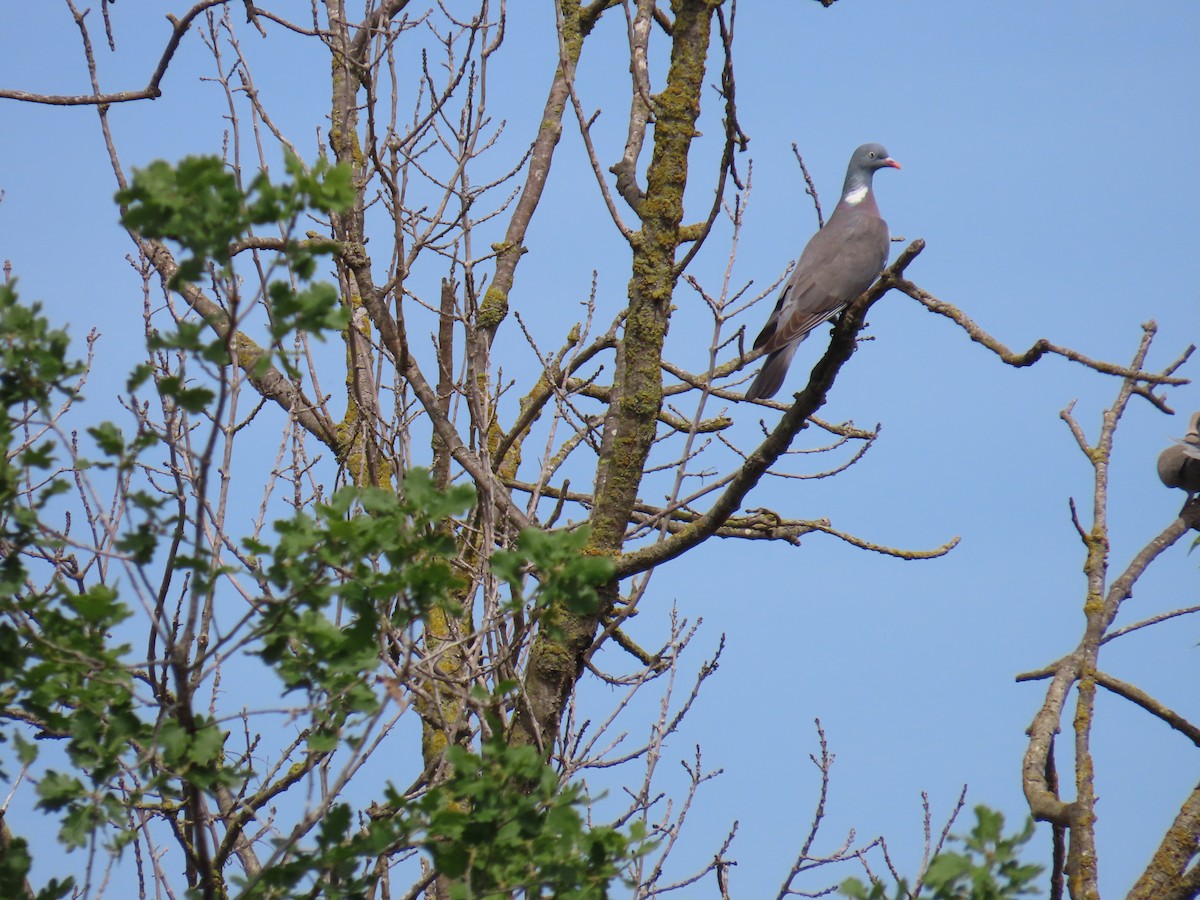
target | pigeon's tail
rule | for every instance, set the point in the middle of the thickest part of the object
(770, 378)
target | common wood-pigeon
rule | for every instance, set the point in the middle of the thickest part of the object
(841, 261)
(1179, 464)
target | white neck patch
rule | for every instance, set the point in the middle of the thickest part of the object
(856, 196)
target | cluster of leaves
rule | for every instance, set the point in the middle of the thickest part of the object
(199, 205)
(61, 671)
(337, 578)
(987, 869)
(34, 371)
(565, 574)
(500, 822)
(341, 577)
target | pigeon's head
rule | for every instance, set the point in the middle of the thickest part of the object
(871, 157)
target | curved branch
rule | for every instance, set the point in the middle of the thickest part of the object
(150, 92)
(1153, 620)
(271, 383)
(544, 389)
(1136, 695)
(697, 233)
(1122, 587)
(762, 525)
(585, 130)
(1041, 796)
(372, 26)
(639, 108)
(888, 551)
(494, 308)
(282, 245)
(1079, 668)
(1042, 346)
(807, 402)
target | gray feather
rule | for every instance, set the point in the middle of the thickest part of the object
(841, 261)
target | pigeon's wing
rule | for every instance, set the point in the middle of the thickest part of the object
(841, 261)
(1189, 448)
(768, 329)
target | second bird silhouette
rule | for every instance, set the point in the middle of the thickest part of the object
(1179, 464)
(841, 261)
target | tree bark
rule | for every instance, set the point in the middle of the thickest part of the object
(556, 660)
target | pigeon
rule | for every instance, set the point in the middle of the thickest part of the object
(1179, 464)
(841, 261)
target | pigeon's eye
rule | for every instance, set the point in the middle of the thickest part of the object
(871, 154)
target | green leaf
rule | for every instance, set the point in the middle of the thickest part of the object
(140, 543)
(57, 789)
(315, 310)
(946, 869)
(99, 606)
(26, 752)
(988, 868)
(33, 356)
(207, 745)
(108, 438)
(501, 823)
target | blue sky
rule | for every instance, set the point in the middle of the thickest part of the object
(1049, 156)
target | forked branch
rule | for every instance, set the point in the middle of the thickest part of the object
(151, 91)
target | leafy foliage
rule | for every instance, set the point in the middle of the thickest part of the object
(33, 369)
(339, 579)
(58, 666)
(342, 576)
(988, 869)
(14, 869)
(564, 572)
(199, 205)
(501, 822)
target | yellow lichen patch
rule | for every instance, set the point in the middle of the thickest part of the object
(352, 449)
(493, 309)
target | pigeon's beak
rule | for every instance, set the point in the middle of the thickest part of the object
(892, 163)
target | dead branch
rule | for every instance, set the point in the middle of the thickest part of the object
(1143, 380)
(1139, 697)
(151, 91)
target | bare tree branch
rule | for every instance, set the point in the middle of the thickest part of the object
(1042, 346)
(151, 91)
